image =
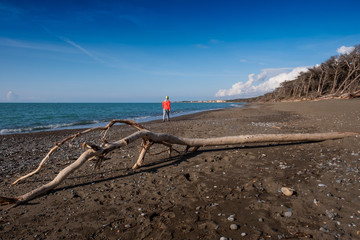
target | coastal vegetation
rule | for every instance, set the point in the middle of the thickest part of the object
(337, 77)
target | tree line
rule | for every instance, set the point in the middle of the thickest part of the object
(339, 76)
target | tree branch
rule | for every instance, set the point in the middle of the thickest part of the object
(169, 140)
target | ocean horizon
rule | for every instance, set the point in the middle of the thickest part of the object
(35, 117)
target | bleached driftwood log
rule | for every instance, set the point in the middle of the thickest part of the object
(72, 137)
(149, 138)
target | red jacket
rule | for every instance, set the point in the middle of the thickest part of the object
(166, 104)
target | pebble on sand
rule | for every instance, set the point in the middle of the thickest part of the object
(234, 226)
(287, 191)
(288, 214)
(231, 218)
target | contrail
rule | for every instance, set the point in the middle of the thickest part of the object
(68, 41)
(78, 47)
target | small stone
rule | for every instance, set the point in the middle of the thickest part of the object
(128, 226)
(231, 218)
(261, 219)
(223, 238)
(288, 214)
(281, 236)
(330, 214)
(243, 234)
(324, 229)
(234, 227)
(287, 191)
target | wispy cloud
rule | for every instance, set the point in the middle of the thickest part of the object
(209, 43)
(76, 45)
(269, 80)
(9, 11)
(202, 46)
(9, 42)
(345, 50)
(192, 74)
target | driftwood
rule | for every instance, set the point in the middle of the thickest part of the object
(148, 139)
(72, 137)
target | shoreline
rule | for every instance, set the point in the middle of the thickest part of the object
(75, 130)
(79, 127)
(192, 196)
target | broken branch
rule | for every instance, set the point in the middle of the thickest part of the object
(168, 140)
(72, 137)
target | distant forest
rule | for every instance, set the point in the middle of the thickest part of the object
(338, 77)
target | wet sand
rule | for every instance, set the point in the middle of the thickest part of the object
(200, 195)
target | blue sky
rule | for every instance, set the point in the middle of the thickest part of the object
(140, 51)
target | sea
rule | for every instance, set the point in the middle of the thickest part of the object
(34, 117)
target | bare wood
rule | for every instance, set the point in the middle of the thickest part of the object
(142, 154)
(355, 94)
(52, 150)
(167, 139)
(72, 137)
(58, 179)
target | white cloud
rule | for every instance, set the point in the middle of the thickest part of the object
(11, 96)
(270, 72)
(202, 46)
(238, 88)
(269, 78)
(345, 50)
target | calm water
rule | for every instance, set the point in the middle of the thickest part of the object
(30, 117)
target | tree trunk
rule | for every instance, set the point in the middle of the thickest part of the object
(335, 81)
(349, 85)
(309, 83)
(149, 138)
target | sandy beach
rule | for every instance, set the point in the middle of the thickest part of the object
(226, 191)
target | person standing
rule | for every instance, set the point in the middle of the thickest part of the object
(166, 108)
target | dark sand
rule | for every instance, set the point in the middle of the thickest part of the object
(193, 196)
